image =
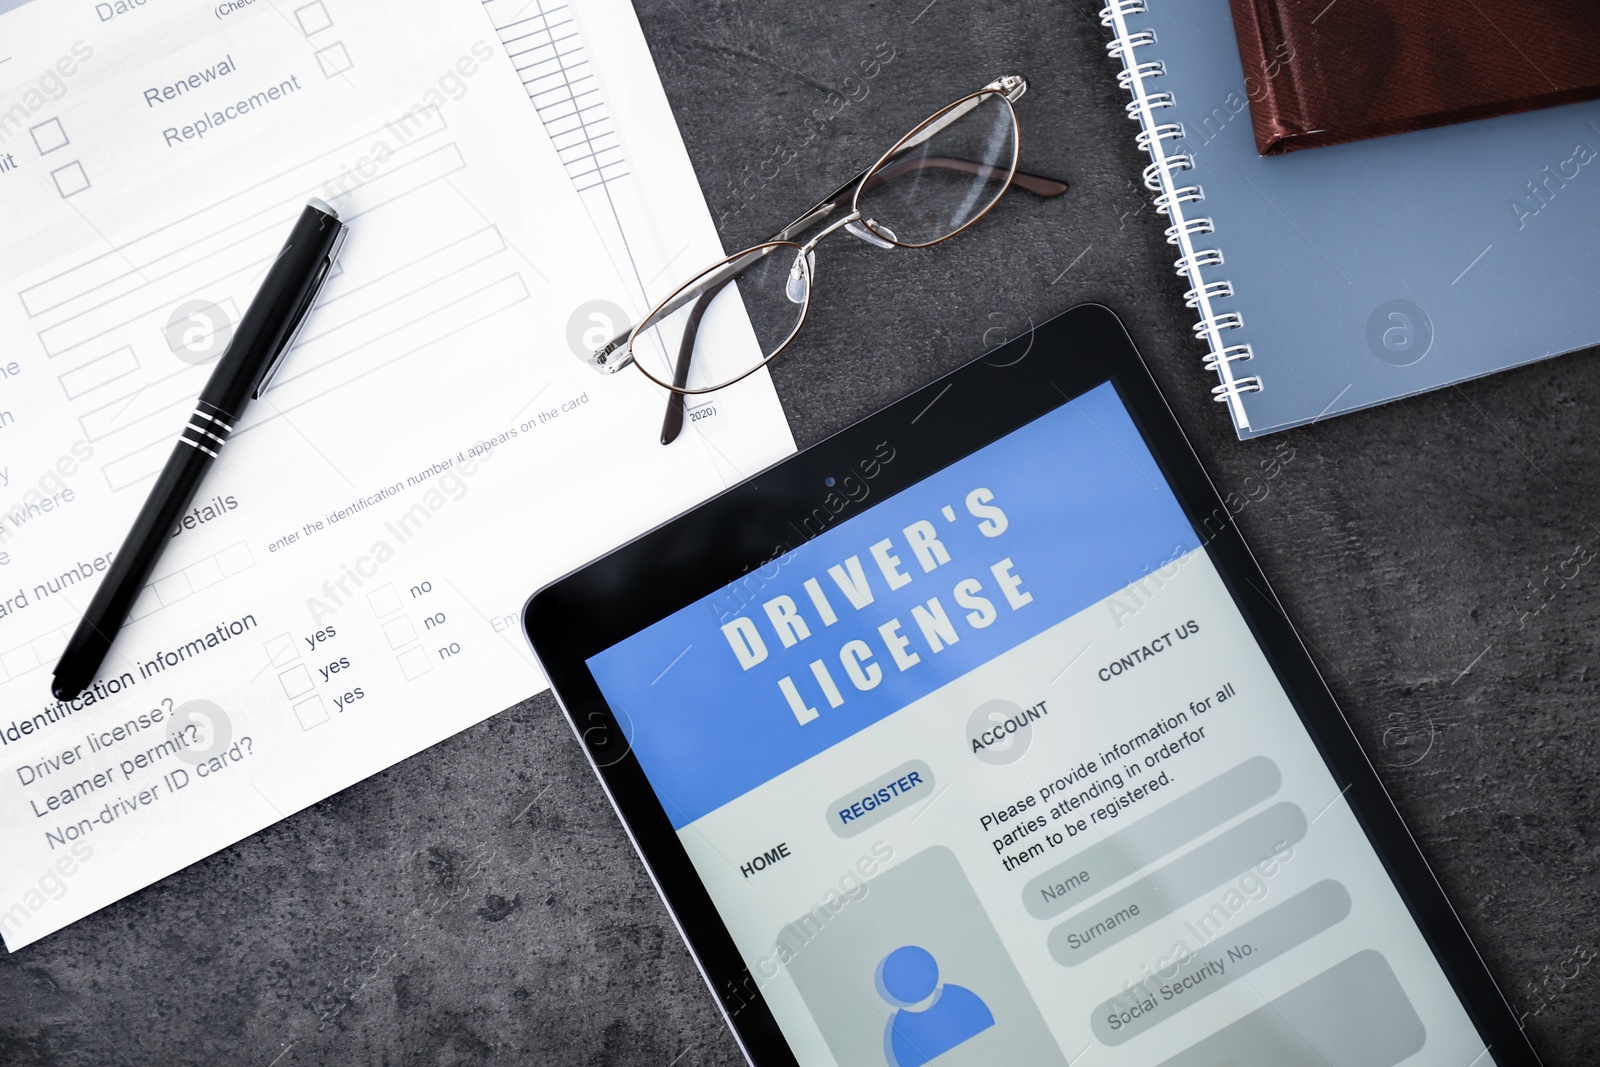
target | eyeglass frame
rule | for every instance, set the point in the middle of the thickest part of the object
(707, 283)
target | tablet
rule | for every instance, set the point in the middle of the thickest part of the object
(973, 735)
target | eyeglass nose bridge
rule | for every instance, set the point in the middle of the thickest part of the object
(801, 278)
(840, 223)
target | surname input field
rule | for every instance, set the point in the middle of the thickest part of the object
(1093, 929)
(1164, 831)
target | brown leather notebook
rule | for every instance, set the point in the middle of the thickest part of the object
(1320, 72)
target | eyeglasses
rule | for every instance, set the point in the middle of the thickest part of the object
(941, 177)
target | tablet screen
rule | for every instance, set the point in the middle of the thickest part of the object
(994, 772)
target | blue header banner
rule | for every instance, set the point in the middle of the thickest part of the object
(892, 604)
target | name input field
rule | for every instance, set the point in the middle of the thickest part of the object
(1092, 930)
(1163, 831)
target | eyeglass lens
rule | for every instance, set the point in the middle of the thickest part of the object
(933, 187)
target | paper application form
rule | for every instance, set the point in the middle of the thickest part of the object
(589, 74)
(345, 589)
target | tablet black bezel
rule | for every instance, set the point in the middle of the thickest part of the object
(735, 535)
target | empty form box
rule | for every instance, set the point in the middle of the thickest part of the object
(296, 682)
(399, 632)
(414, 663)
(384, 601)
(311, 713)
(49, 136)
(206, 572)
(101, 371)
(51, 645)
(282, 650)
(70, 180)
(334, 59)
(172, 588)
(313, 18)
(19, 659)
(235, 558)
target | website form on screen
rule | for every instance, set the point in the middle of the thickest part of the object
(995, 772)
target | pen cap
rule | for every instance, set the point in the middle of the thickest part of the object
(274, 315)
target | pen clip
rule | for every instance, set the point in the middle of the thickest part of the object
(303, 314)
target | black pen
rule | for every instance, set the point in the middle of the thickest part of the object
(263, 337)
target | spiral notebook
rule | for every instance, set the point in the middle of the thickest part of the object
(1336, 278)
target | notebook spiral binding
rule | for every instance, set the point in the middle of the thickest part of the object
(1160, 178)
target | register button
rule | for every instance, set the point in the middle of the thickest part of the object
(904, 787)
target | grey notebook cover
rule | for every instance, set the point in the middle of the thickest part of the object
(1370, 271)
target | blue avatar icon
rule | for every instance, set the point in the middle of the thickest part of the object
(910, 975)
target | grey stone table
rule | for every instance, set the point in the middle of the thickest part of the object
(479, 903)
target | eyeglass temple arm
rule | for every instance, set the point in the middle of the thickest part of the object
(1037, 184)
(672, 423)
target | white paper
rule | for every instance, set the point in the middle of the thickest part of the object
(348, 590)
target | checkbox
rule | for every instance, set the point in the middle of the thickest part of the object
(282, 650)
(313, 18)
(399, 632)
(70, 180)
(334, 60)
(414, 664)
(296, 681)
(311, 713)
(48, 136)
(384, 601)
